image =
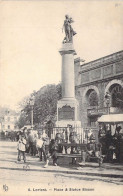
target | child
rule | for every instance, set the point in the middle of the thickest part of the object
(21, 146)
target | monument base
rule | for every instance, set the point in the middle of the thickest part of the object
(67, 113)
(66, 123)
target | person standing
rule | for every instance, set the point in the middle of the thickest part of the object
(44, 138)
(21, 146)
(39, 143)
(31, 142)
(53, 150)
(34, 144)
(45, 148)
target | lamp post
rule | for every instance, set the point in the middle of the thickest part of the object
(107, 99)
(31, 103)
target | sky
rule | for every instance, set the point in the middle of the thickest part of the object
(31, 36)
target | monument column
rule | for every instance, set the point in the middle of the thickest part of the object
(67, 107)
(68, 86)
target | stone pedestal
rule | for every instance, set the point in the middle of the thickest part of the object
(67, 107)
(68, 113)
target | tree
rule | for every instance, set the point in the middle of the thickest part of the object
(24, 118)
(45, 105)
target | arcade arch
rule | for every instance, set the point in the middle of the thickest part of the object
(112, 83)
(91, 96)
(115, 88)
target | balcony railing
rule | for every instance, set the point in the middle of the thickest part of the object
(97, 111)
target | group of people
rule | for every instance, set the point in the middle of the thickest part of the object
(37, 144)
(111, 139)
(9, 135)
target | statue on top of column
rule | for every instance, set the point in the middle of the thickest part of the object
(69, 32)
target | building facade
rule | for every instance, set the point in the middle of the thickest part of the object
(8, 121)
(99, 87)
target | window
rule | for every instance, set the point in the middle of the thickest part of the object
(8, 126)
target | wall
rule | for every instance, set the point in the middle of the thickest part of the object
(98, 75)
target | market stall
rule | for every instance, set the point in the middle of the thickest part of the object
(111, 136)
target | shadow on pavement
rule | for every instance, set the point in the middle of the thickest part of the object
(10, 147)
(7, 160)
(8, 152)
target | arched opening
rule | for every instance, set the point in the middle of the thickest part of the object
(92, 103)
(116, 91)
(92, 98)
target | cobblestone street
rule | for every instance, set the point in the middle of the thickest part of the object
(36, 180)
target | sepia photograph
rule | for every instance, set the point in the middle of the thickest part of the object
(61, 98)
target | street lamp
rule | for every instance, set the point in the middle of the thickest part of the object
(31, 103)
(107, 99)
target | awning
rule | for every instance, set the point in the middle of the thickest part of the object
(111, 118)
